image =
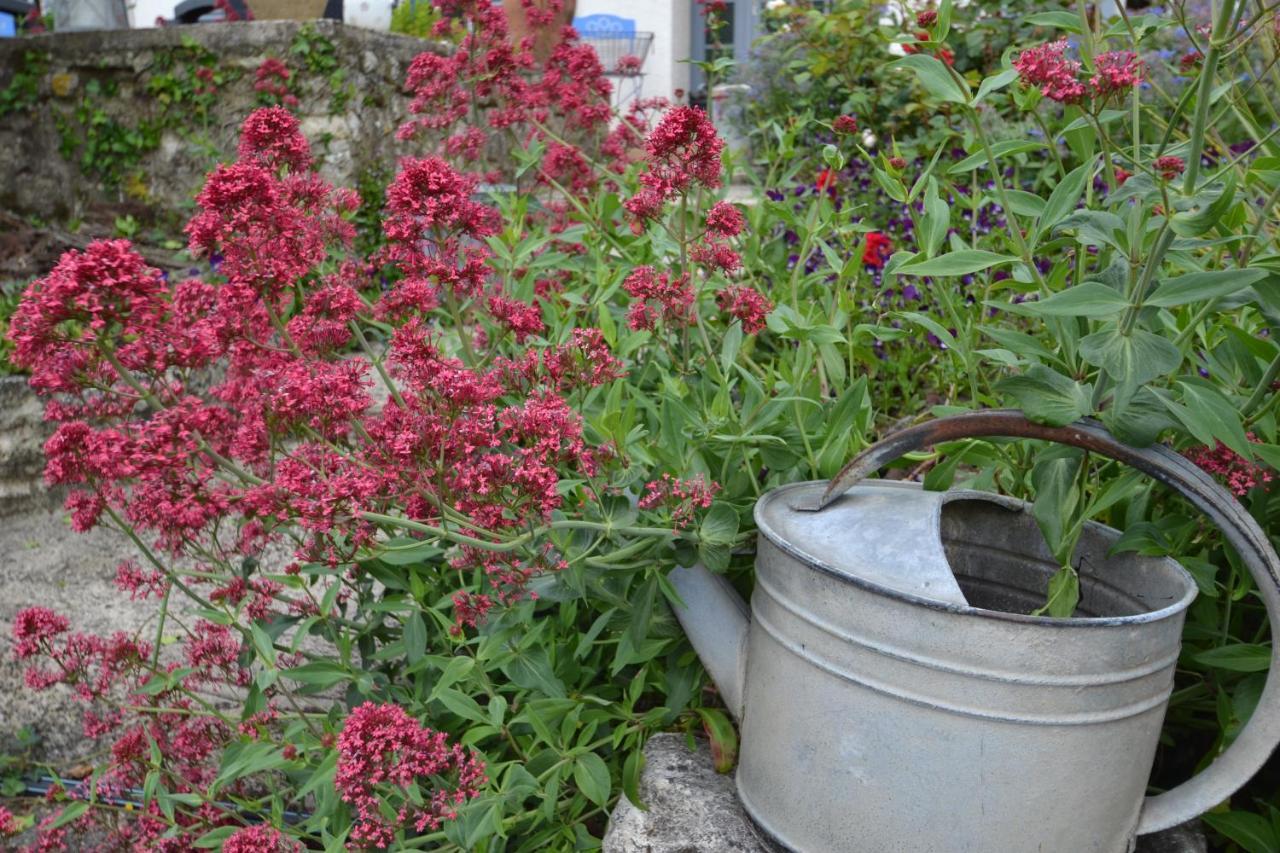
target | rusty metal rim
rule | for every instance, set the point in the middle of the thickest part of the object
(791, 550)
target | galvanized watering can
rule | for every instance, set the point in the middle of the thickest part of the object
(895, 697)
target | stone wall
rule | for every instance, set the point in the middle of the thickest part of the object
(22, 435)
(127, 118)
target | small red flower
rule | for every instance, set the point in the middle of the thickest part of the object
(826, 179)
(845, 125)
(1122, 175)
(1169, 166)
(897, 163)
(878, 249)
(927, 18)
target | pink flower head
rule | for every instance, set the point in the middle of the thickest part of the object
(271, 135)
(725, 220)
(628, 65)
(1046, 67)
(260, 839)
(683, 497)
(927, 18)
(381, 749)
(845, 125)
(429, 195)
(658, 298)
(683, 149)
(8, 823)
(1169, 166)
(35, 627)
(1115, 71)
(747, 304)
(1240, 474)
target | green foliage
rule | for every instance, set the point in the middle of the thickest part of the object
(23, 91)
(319, 57)
(414, 18)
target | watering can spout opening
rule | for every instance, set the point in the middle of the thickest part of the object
(715, 619)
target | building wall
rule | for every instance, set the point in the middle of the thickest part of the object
(664, 70)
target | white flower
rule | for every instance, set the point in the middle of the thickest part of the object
(775, 5)
(868, 139)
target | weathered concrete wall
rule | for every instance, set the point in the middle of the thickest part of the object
(92, 118)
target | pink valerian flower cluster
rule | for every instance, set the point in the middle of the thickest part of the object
(273, 138)
(628, 65)
(271, 82)
(1240, 474)
(682, 497)
(522, 94)
(383, 755)
(8, 823)
(1058, 78)
(747, 305)
(1169, 166)
(682, 151)
(1115, 72)
(260, 839)
(845, 125)
(658, 298)
(1045, 67)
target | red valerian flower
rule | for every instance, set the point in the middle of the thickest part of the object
(927, 18)
(259, 839)
(1240, 474)
(381, 747)
(658, 298)
(271, 136)
(826, 179)
(878, 249)
(1056, 76)
(1115, 71)
(1122, 175)
(747, 304)
(271, 79)
(684, 149)
(8, 823)
(725, 220)
(845, 125)
(683, 497)
(1169, 166)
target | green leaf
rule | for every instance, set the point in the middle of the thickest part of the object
(1202, 286)
(1089, 299)
(936, 219)
(461, 704)
(1095, 228)
(1055, 477)
(215, 837)
(1238, 657)
(415, 637)
(73, 811)
(1064, 198)
(1139, 420)
(1061, 20)
(1063, 594)
(1253, 832)
(935, 77)
(962, 262)
(998, 149)
(1205, 210)
(720, 524)
(723, 737)
(1131, 360)
(317, 673)
(995, 83)
(591, 775)
(1216, 415)
(632, 769)
(1047, 397)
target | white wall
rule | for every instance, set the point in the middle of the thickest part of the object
(669, 21)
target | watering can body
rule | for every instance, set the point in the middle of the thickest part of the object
(887, 705)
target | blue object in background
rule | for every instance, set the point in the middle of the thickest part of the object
(604, 26)
(8, 25)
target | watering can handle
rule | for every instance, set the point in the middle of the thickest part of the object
(1252, 747)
